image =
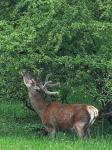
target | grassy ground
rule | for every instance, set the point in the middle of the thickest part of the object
(19, 130)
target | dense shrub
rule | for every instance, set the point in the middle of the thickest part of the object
(71, 39)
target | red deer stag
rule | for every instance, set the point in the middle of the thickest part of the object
(56, 116)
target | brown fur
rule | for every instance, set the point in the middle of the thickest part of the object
(62, 116)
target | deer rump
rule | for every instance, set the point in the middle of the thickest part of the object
(65, 116)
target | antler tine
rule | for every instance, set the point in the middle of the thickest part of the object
(50, 93)
(46, 80)
(47, 77)
(54, 84)
(49, 83)
(43, 88)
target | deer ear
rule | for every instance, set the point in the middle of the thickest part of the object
(32, 82)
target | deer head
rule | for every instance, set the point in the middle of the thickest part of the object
(32, 83)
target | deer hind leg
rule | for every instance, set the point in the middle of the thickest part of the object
(87, 132)
(81, 130)
(51, 132)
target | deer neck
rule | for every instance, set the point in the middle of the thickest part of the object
(37, 101)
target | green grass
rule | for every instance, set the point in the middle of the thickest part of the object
(19, 130)
(33, 143)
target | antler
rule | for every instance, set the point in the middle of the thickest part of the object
(48, 84)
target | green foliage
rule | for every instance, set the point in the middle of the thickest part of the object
(71, 39)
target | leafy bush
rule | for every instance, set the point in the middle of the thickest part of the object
(71, 39)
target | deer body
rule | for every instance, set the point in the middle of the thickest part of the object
(56, 116)
(63, 117)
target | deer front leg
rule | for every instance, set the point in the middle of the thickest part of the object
(51, 132)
